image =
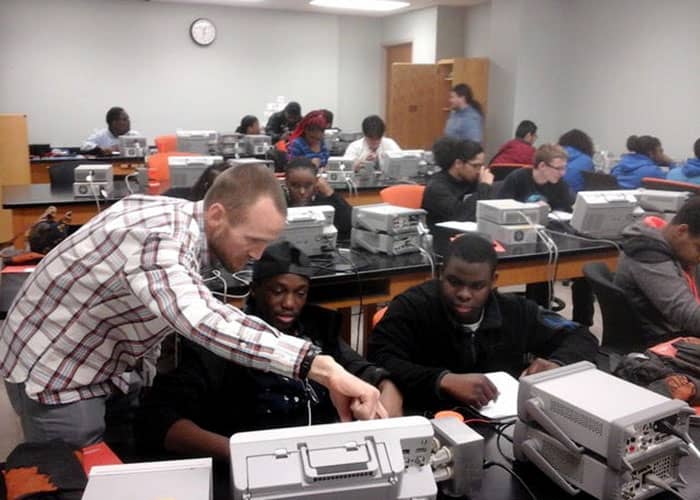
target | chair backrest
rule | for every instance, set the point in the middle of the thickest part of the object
(403, 195)
(62, 174)
(166, 143)
(622, 330)
(377, 317)
(599, 181)
(158, 169)
(666, 185)
(501, 170)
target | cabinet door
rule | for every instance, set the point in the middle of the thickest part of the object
(475, 73)
(14, 160)
(416, 101)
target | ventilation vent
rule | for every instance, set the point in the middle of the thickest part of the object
(663, 467)
(338, 477)
(593, 425)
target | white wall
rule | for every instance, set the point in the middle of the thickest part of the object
(450, 32)
(611, 68)
(542, 68)
(360, 71)
(632, 69)
(65, 63)
(504, 35)
(477, 30)
(418, 27)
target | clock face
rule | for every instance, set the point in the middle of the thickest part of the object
(203, 32)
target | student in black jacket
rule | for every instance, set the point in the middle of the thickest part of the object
(197, 407)
(281, 123)
(452, 193)
(304, 187)
(438, 338)
(544, 183)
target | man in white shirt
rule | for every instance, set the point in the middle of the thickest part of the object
(105, 141)
(372, 147)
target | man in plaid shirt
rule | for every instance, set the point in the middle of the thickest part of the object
(107, 296)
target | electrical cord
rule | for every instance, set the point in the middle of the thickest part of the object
(128, 185)
(94, 189)
(500, 433)
(552, 256)
(655, 480)
(488, 465)
(586, 238)
(354, 269)
(216, 275)
(684, 436)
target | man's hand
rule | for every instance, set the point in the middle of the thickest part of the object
(539, 365)
(323, 188)
(471, 388)
(316, 162)
(485, 175)
(351, 396)
(390, 397)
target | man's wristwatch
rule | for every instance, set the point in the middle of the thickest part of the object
(311, 354)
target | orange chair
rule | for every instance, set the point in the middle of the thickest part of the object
(378, 316)
(666, 185)
(158, 169)
(166, 143)
(403, 195)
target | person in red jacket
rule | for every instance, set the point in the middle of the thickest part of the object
(519, 150)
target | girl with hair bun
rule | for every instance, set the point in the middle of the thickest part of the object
(646, 154)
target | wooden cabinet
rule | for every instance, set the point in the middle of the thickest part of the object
(419, 93)
(14, 161)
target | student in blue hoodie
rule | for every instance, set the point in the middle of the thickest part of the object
(688, 171)
(579, 148)
(643, 161)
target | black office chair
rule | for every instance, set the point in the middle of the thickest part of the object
(599, 181)
(501, 170)
(61, 175)
(622, 330)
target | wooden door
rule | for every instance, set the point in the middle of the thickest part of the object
(402, 53)
(14, 159)
(415, 105)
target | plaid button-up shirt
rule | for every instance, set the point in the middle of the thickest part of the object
(111, 292)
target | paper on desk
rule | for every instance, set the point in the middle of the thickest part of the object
(466, 227)
(507, 403)
(560, 216)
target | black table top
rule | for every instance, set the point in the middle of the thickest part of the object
(360, 272)
(365, 183)
(88, 159)
(497, 484)
(568, 243)
(43, 195)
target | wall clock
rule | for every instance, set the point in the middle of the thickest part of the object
(203, 32)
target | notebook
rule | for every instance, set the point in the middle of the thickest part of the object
(506, 405)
